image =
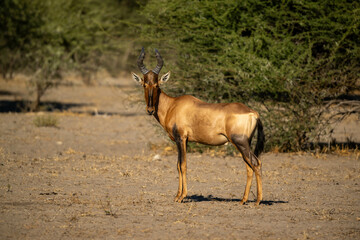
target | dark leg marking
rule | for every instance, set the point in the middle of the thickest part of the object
(181, 165)
(243, 144)
(177, 138)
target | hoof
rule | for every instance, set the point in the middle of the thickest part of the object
(257, 203)
(179, 199)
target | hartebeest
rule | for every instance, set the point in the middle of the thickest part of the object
(187, 118)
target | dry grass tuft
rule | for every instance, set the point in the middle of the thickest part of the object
(321, 153)
(46, 121)
(70, 151)
(342, 150)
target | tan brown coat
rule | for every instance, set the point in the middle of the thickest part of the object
(187, 118)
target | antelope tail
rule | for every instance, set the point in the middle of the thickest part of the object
(259, 148)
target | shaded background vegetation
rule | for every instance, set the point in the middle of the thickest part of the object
(46, 39)
(290, 60)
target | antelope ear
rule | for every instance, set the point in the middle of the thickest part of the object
(136, 78)
(164, 78)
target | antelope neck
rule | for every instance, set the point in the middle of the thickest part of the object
(163, 106)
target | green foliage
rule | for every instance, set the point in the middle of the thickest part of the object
(46, 121)
(283, 58)
(47, 38)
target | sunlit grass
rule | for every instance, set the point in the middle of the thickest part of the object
(46, 121)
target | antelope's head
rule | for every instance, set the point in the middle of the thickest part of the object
(151, 81)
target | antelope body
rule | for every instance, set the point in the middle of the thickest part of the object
(187, 118)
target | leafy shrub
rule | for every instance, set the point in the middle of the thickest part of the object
(44, 39)
(282, 58)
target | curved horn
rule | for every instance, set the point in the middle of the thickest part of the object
(140, 62)
(160, 62)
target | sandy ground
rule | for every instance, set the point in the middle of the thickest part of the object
(108, 172)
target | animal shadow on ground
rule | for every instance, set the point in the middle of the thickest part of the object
(209, 198)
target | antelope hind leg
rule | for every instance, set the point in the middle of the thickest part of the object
(257, 170)
(242, 144)
(248, 184)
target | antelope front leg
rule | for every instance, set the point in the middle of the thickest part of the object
(180, 180)
(181, 165)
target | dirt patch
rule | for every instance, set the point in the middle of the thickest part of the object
(106, 172)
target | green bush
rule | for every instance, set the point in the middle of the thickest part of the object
(44, 39)
(282, 58)
(46, 121)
